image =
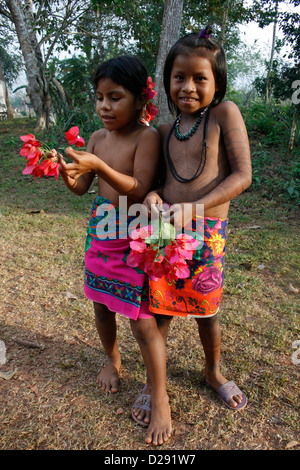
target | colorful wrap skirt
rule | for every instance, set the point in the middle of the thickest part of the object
(200, 294)
(107, 278)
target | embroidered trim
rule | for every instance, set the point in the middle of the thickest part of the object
(122, 290)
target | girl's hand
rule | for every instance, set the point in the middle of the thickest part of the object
(179, 215)
(63, 170)
(154, 204)
(77, 185)
(83, 162)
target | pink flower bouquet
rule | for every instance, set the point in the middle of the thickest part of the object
(41, 160)
(158, 251)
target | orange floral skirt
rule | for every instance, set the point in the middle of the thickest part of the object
(200, 294)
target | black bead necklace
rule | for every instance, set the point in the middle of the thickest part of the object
(199, 170)
(192, 131)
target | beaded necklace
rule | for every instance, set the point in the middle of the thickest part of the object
(192, 130)
(199, 170)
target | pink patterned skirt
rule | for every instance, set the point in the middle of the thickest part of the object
(107, 278)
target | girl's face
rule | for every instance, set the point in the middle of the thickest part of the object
(192, 83)
(117, 107)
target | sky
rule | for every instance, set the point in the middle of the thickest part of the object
(252, 32)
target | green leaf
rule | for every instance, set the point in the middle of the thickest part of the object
(163, 233)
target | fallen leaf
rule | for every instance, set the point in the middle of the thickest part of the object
(292, 444)
(35, 390)
(36, 211)
(28, 344)
(240, 285)
(78, 401)
(2, 353)
(293, 289)
(8, 375)
(70, 296)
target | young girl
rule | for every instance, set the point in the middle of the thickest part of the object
(208, 163)
(124, 155)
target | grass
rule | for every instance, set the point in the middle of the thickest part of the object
(51, 400)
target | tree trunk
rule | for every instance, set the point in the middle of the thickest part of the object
(8, 106)
(169, 35)
(272, 54)
(293, 129)
(224, 22)
(38, 88)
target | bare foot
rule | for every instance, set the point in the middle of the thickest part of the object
(108, 379)
(160, 427)
(216, 380)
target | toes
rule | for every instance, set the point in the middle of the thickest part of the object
(157, 438)
(142, 415)
(235, 400)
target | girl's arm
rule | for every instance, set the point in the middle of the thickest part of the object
(144, 168)
(236, 143)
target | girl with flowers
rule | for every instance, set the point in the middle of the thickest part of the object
(124, 155)
(208, 163)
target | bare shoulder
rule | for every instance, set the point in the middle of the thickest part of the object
(148, 134)
(164, 130)
(227, 112)
(95, 138)
(97, 135)
(150, 130)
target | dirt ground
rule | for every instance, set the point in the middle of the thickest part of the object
(49, 399)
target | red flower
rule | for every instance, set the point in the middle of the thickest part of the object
(28, 169)
(151, 111)
(178, 270)
(149, 89)
(73, 137)
(41, 161)
(30, 139)
(47, 168)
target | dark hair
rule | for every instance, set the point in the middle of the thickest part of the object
(127, 71)
(203, 46)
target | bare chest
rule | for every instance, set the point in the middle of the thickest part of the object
(195, 166)
(118, 154)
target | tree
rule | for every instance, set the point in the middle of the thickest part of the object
(10, 64)
(270, 67)
(27, 22)
(8, 106)
(288, 21)
(38, 88)
(169, 35)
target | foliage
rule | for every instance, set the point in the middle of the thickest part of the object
(271, 120)
(10, 59)
(275, 171)
(281, 79)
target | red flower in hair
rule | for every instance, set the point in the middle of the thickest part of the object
(150, 110)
